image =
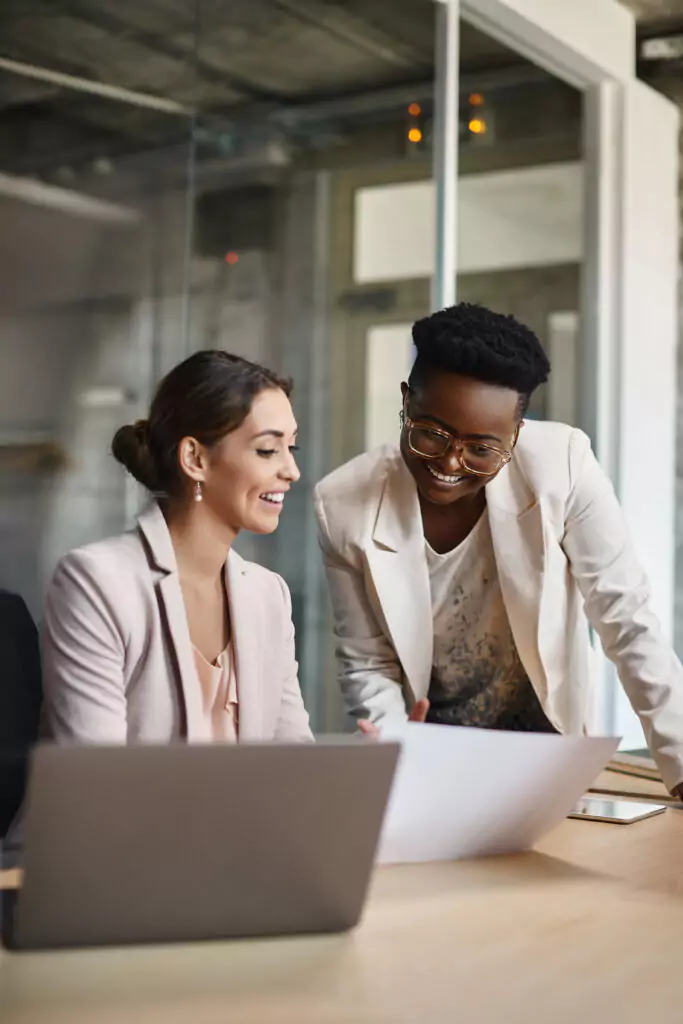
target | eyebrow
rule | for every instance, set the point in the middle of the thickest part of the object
(273, 433)
(469, 437)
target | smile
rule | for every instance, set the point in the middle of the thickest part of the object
(451, 481)
(273, 497)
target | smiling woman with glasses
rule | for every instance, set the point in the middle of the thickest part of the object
(467, 561)
(474, 457)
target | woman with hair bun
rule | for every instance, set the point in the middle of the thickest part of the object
(165, 633)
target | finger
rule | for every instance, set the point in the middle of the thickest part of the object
(368, 729)
(418, 712)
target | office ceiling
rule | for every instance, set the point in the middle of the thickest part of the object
(251, 63)
(652, 13)
(243, 61)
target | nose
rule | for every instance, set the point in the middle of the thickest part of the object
(451, 461)
(290, 471)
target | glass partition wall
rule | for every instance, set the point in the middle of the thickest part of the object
(184, 176)
(296, 181)
(96, 141)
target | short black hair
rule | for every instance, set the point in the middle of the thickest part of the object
(475, 342)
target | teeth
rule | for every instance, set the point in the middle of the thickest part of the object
(445, 479)
(276, 497)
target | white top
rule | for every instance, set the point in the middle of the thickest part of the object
(477, 676)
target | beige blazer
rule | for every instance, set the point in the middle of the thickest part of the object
(117, 657)
(563, 554)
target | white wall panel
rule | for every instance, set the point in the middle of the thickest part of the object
(529, 217)
(582, 41)
(388, 359)
(648, 332)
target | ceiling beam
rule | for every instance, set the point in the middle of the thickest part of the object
(89, 85)
(165, 46)
(322, 16)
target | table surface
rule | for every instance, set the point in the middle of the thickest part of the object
(588, 925)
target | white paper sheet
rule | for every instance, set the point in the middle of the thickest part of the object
(475, 792)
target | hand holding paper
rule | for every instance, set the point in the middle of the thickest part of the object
(418, 713)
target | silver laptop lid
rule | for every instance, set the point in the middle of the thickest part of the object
(175, 843)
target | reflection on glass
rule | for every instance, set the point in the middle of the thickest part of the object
(95, 136)
(336, 102)
(520, 204)
(249, 176)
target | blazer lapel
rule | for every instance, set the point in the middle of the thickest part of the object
(400, 576)
(153, 527)
(248, 642)
(516, 522)
(398, 568)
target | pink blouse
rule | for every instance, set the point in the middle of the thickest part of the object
(218, 683)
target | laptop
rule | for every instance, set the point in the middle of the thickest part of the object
(177, 843)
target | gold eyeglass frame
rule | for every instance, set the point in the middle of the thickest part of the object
(455, 444)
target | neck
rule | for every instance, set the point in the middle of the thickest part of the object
(464, 508)
(445, 526)
(201, 542)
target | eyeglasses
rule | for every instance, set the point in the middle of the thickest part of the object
(432, 443)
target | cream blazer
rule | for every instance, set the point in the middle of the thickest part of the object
(118, 664)
(564, 557)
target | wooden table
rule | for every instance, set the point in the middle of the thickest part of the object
(587, 928)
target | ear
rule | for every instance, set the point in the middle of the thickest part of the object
(192, 459)
(404, 390)
(516, 437)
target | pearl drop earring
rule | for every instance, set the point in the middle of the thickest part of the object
(198, 496)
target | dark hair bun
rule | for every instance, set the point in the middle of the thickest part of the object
(206, 397)
(130, 447)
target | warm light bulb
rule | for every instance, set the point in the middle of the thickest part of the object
(415, 135)
(477, 126)
(414, 109)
